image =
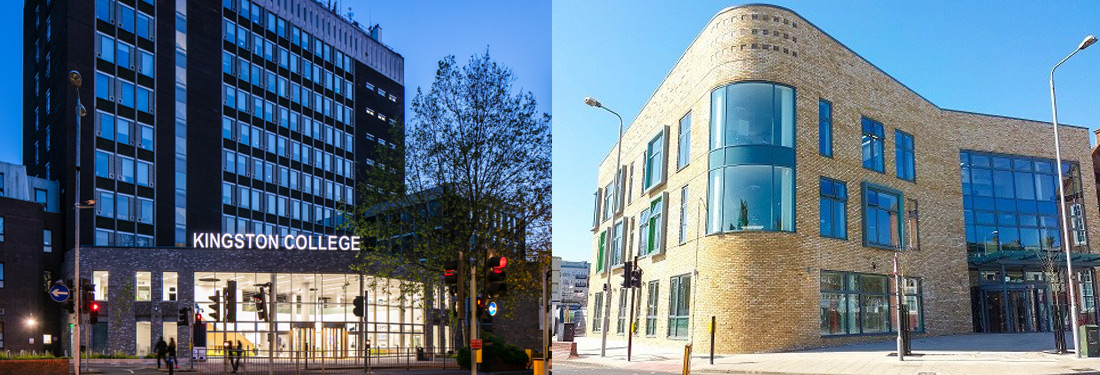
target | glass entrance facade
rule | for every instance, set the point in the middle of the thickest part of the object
(313, 312)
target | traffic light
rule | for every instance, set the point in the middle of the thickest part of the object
(450, 276)
(93, 313)
(360, 306)
(261, 305)
(636, 278)
(628, 271)
(184, 316)
(198, 319)
(496, 286)
(70, 306)
(231, 302)
(480, 307)
(87, 295)
(216, 307)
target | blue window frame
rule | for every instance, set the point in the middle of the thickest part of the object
(873, 138)
(834, 212)
(903, 146)
(825, 127)
(882, 221)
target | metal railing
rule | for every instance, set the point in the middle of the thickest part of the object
(323, 361)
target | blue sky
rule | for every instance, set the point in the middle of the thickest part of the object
(980, 56)
(517, 34)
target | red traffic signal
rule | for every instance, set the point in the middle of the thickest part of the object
(198, 318)
(497, 262)
(450, 273)
(95, 306)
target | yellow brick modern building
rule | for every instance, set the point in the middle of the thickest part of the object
(773, 176)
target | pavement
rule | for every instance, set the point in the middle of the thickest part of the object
(978, 354)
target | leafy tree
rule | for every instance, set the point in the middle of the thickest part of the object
(475, 179)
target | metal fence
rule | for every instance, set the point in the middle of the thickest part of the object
(322, 361)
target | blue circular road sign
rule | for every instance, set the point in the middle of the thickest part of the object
(59, 293)
(492, 308)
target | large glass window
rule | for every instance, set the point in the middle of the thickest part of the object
(620, 325)
(873, 137)
(651, 226)
(853, 303)
(600, 247)
(617, 244)
(825, 128)
(752, 113)
(903, 146)
(882, 226)
(683, 156)
(1010, 202)
(679, 306)
(755, 119)
(144, 286)
(683, 214)
(834, 213)
(47, 241)
(751, 197)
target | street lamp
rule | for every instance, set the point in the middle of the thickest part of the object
(616, 213)
(75, 81)
(1089, 40)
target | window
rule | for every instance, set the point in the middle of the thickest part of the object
(145, 211)
(146, 137)
(881, 218)
(912, 224)
(621, 322)
(602, 242)
(144, 286)
(825, 128)
(873, 137)
(834, 212)
(651, 308)
(683, 213)
(126, 18)
(617, 244)
(853, 303)
(147, 66)
(105, 205)
(1, 224)
(1010, 202)
(654, 162)
(47, 241)
(127, 169)
(124, 129)
(40, 196)
(679, 308)
(597, 316)
(169, 290)
(122, 212)
(903, 146)
(683, 156)
(747, 189)
(1, 286)
(608, 197)
(106, 48)
(651, 227)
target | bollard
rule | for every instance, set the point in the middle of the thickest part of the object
(687, 359)
(536, 366)
(529, 357)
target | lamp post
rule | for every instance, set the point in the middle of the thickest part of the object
(1089, 40)
(75, 81)
(616, 213)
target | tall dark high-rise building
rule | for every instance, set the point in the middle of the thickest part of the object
(238, 116)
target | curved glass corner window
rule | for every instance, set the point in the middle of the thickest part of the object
(752, 113)
(751, 181)
(751, 198)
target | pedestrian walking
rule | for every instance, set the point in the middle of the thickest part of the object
(161, 349)
(172, 354)
(237, 353)
(172, 365)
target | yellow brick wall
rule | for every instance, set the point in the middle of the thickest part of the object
(763, 287)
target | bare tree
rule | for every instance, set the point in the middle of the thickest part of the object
(476, 180)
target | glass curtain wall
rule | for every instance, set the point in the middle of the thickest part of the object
(313, 313)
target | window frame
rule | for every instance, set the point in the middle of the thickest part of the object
(683, 142)
(655, 171)
(905, 156)
(825, 128)
(676, 294)
(899, 223)
(833, 198)
(875, 132)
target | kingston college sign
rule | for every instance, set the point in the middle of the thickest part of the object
(242, 241)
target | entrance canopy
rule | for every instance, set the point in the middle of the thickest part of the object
(1031, 259)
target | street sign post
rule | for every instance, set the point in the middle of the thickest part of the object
(492, 308)
(475, 344)
(59, 293)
